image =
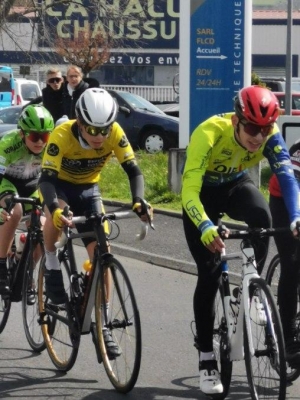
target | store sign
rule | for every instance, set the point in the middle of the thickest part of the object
(144, 59)
(145, 23)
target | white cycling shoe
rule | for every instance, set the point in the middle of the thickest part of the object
(210, 381)
(257, 312)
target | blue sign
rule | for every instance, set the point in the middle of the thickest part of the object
(216, 57)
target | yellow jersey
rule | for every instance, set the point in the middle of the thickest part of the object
(74, 163)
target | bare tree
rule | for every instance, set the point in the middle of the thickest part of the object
(58, 25)
(86, 51)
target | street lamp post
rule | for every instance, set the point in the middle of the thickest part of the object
(288, 65)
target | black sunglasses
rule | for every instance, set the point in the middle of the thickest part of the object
(254, 130)
(54, 80)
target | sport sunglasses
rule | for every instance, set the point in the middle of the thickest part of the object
(36, 136)
(54, 80)
(95, 130)
(254, 130)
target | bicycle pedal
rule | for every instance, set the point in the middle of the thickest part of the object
(95, 341)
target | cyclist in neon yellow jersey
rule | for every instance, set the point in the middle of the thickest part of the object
(215, 179)
(21, 153)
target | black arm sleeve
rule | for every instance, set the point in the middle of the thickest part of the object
(47, 187)
(136, 180)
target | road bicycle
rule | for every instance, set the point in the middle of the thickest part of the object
(102, 299)
(23, 274)
(247, 323)
(272, 278)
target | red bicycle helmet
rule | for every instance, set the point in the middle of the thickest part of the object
(257, 105)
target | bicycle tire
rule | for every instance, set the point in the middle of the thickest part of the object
(61, 342)
(5, 304)
(123, 320)
(272, 279)
(221, 345)
(30, 309)
(266, 368)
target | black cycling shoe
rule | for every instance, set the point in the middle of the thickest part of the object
(292, 350)
(4, 282)
(55, 286)
(112, 349)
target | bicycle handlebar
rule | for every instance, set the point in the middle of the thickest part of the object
(252, 232)
(108, 216)
(14, 199)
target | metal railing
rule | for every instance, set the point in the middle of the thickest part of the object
(151, 93)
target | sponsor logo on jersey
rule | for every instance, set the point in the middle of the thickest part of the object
(13, 148)
(124, 141)
(52, 150)
(227, 152)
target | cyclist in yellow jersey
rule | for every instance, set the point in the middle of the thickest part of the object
(74, 157)
(215, 180)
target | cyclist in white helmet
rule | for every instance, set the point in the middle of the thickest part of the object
(74, 157)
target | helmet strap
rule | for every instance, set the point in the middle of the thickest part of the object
(83, 143)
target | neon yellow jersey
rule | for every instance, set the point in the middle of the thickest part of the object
(214, 157)
(76, 164)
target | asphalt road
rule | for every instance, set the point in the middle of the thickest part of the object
(166, 245)
(169, 369)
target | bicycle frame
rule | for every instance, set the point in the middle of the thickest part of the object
(100, 253)
(34, 233)
(235, 319)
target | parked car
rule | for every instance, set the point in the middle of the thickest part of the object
(171, 109)
(25, 90)
(295, 102)
(9, 117)
(277, 84)
(146, 126)
(5, 128)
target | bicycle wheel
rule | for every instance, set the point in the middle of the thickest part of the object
(5, 303)
(59, 327)
(266, 368)
(272, 279)
(176, 83)
(123, 321)
(221, 345)
(30, 309)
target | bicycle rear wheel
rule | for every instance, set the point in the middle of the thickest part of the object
(5, 301)
(123, 321)
(30, 309)
(221, 345)
(59, 328)
(266, 368)
(272, 279)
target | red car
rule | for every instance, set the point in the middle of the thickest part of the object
(295, 102)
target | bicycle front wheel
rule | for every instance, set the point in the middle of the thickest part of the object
(266, 367)
(30, 309)
(272, 279)
(116, 311)
(221, 345)
(5, 301)
(58, 327)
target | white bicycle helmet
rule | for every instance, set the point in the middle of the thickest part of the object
(96, 107)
